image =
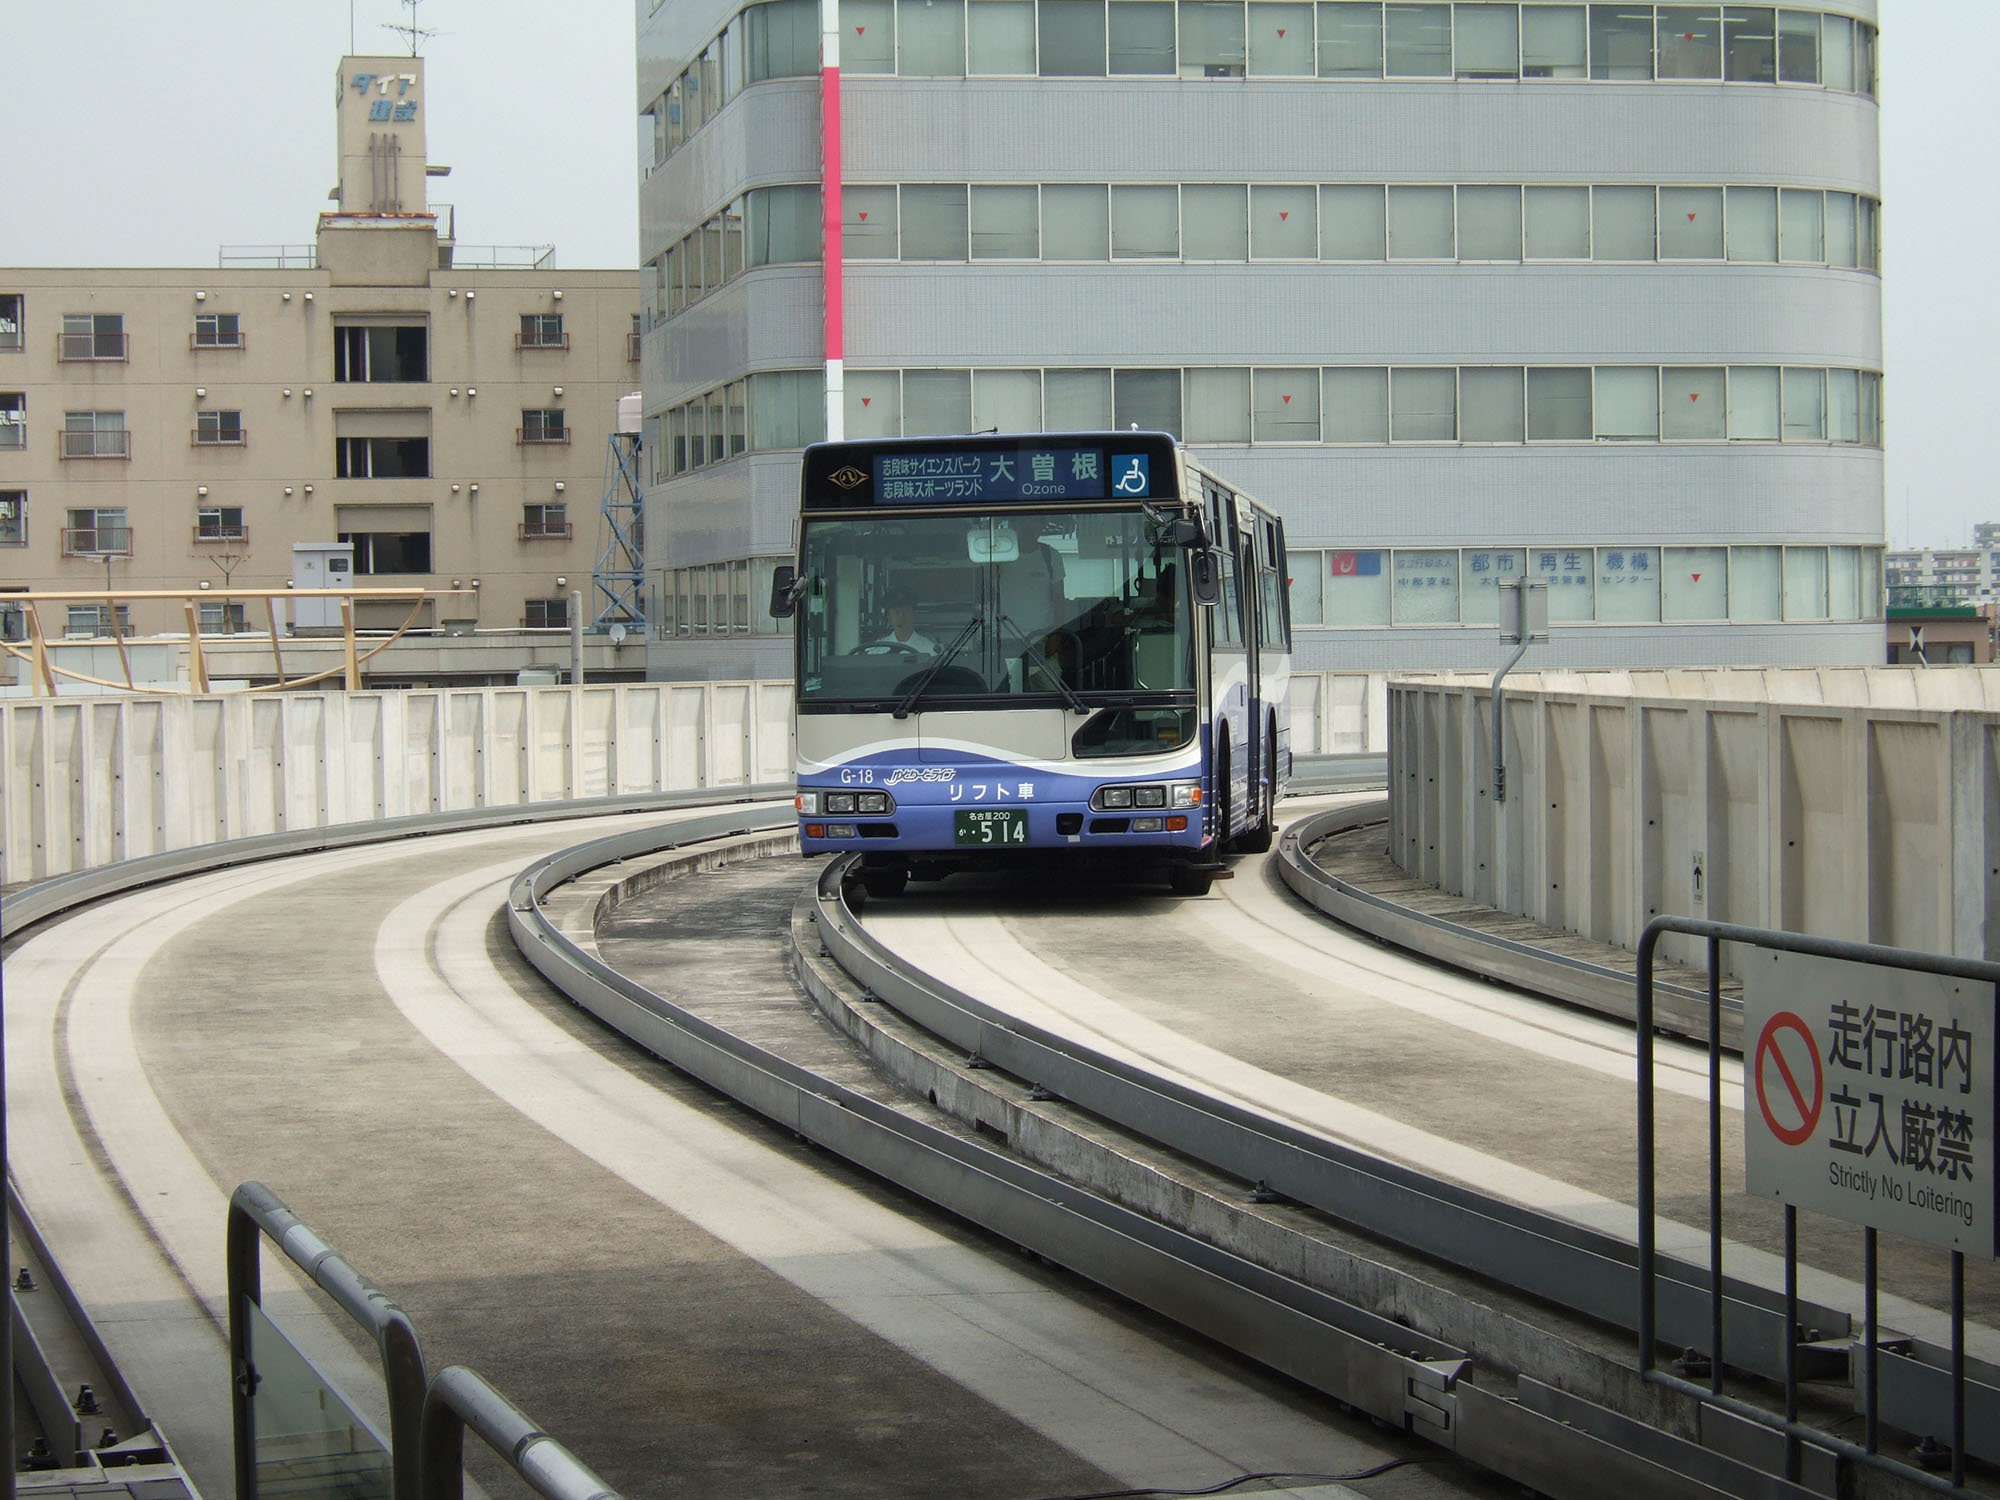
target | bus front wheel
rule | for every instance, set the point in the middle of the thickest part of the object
(1185, 880)
(885, 883)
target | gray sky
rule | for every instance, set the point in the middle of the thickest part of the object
(189, 124)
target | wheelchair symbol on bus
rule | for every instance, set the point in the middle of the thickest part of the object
(1134, 480)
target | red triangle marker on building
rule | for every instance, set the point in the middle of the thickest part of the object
(1690, 218)
(859, 29)
(1287, 400)
(1281, 31)
(866, 399)
(864, 215)
(1694, 395)
(1695, 576)
(1283, 214)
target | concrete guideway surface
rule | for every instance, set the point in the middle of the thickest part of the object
(1279, 1010)
(682, 1294)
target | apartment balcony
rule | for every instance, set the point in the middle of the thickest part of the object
(545, 531)
(84, 348)
(527, 436)
(97, 541)
(541, 341)
(222, 533)
(96, 444)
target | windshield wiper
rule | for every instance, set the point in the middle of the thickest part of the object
(1028, 655)
(918, 688)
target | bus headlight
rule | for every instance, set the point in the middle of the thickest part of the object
(1117, 796)
(872, 802)
(839, 802)
(1186, 794)
(807, 804)
(1150, 796)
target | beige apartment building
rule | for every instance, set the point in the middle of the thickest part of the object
(445, 414)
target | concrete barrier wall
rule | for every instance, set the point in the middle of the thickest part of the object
(1856, 802)
(88, 781)
(1339, 713)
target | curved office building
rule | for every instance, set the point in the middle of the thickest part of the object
(1585, 292)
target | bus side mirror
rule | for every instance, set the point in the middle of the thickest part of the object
(1205, 577)
(784, 593)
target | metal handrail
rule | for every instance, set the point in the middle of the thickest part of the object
(92, 444)
(460, 1398)
(254, 1211)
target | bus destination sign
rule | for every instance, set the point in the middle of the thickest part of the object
(974, 476)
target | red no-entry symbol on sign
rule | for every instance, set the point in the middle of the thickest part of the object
(1791, 1112)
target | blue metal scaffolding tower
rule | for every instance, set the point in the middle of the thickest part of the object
(619, 579)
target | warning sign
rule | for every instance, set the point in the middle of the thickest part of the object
(1868, 1095)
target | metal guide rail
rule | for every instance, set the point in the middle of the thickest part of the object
(1542, 1435)
(1559, 976)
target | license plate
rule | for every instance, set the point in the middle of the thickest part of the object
(990, 827)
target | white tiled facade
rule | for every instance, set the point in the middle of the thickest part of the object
(1585, 291)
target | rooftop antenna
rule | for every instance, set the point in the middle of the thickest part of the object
(409, 30)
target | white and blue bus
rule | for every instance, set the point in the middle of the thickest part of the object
(1065, 646)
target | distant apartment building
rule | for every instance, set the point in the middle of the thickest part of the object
(445, 413)
(1941, 575)
(1584, 292)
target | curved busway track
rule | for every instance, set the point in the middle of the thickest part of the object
(150, 1351)
(1366, 1360)
(1560, 976)
(1383, 1367)
(1551, 1258)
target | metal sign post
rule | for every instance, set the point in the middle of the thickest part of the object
(1524, 622)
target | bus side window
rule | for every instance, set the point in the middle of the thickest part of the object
(1227, 616)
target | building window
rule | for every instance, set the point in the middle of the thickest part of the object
(89, 620)
(88, 336)
(10, 321)
(541, 331)
(13, 621)
(95, 434)
(632, 340)
(544, 426)
(380, 552)
(220, 523)
(381, 355)
(13, 419)
(546, 614)
(221, 618)
(218, 428)
(97, 532)
(217, 331)
(382, 458)
(544, 523)
(13, 518)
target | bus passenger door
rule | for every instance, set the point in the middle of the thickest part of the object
(1231, 671)
(1247, 586)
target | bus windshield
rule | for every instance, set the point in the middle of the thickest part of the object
(1068, 604)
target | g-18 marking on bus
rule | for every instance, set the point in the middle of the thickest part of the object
(1066, 646)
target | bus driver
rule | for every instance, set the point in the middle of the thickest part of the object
(903, 630)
